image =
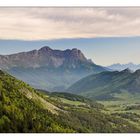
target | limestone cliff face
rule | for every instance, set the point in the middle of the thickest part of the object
(43, 57)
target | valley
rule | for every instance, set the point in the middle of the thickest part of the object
(117, 91)
(127, 107)
(24, 109)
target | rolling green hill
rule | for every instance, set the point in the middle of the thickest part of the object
(24, 109)
(106, 85)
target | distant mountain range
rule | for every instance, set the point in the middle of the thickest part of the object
(49, 69)
(120, 67)
(106, 85)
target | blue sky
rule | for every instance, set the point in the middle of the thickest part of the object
(103, 51)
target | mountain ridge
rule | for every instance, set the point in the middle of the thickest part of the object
(120, 67)
(106, 84)
(49, 69)
(45, 56)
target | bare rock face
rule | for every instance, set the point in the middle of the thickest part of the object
(42, 57)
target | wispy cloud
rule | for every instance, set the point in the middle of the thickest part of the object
(55, 23)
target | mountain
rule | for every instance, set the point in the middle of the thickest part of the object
(44, 57)
(120, 67)
(26, 110)
(49, 69)
(107, 85)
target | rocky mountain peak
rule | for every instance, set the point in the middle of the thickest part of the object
(77, 54)
(127, 70)
(45, 56)
(76, 51)
(45, 49)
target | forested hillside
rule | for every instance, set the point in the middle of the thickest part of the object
(23, 109)
(108, 85)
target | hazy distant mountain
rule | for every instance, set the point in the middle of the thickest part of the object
(120, 67)
(49, 69)
(106, 85)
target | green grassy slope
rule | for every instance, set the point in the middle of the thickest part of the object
(23, 109)
(128, 107)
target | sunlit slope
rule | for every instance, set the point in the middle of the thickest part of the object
(23, 109)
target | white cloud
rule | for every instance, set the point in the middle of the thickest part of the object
(55, 23)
